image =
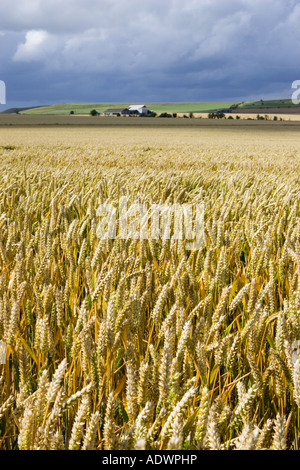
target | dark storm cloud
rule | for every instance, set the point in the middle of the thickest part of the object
(150, 50)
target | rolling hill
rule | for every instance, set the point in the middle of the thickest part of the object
(262, 106)
(85, 108)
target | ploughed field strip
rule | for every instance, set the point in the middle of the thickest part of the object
(140, 343)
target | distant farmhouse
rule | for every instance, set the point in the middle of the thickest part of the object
(139, 109)
(115, 111)
(133, 110)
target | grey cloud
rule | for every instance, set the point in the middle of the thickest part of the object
(164, 50)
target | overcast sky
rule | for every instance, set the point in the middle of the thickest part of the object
(54, 51)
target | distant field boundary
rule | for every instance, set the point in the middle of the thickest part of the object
(282, 106)
(262, 111)
(21, 120)
(262, 107)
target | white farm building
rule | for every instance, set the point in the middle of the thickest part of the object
(139, 109)
(133, 110)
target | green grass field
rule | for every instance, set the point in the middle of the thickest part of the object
(283, 103)
(85, 108)
(204, 107)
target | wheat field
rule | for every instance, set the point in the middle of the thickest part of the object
(140, 344)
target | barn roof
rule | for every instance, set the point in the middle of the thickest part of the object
(137, 106)
(115, 110)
